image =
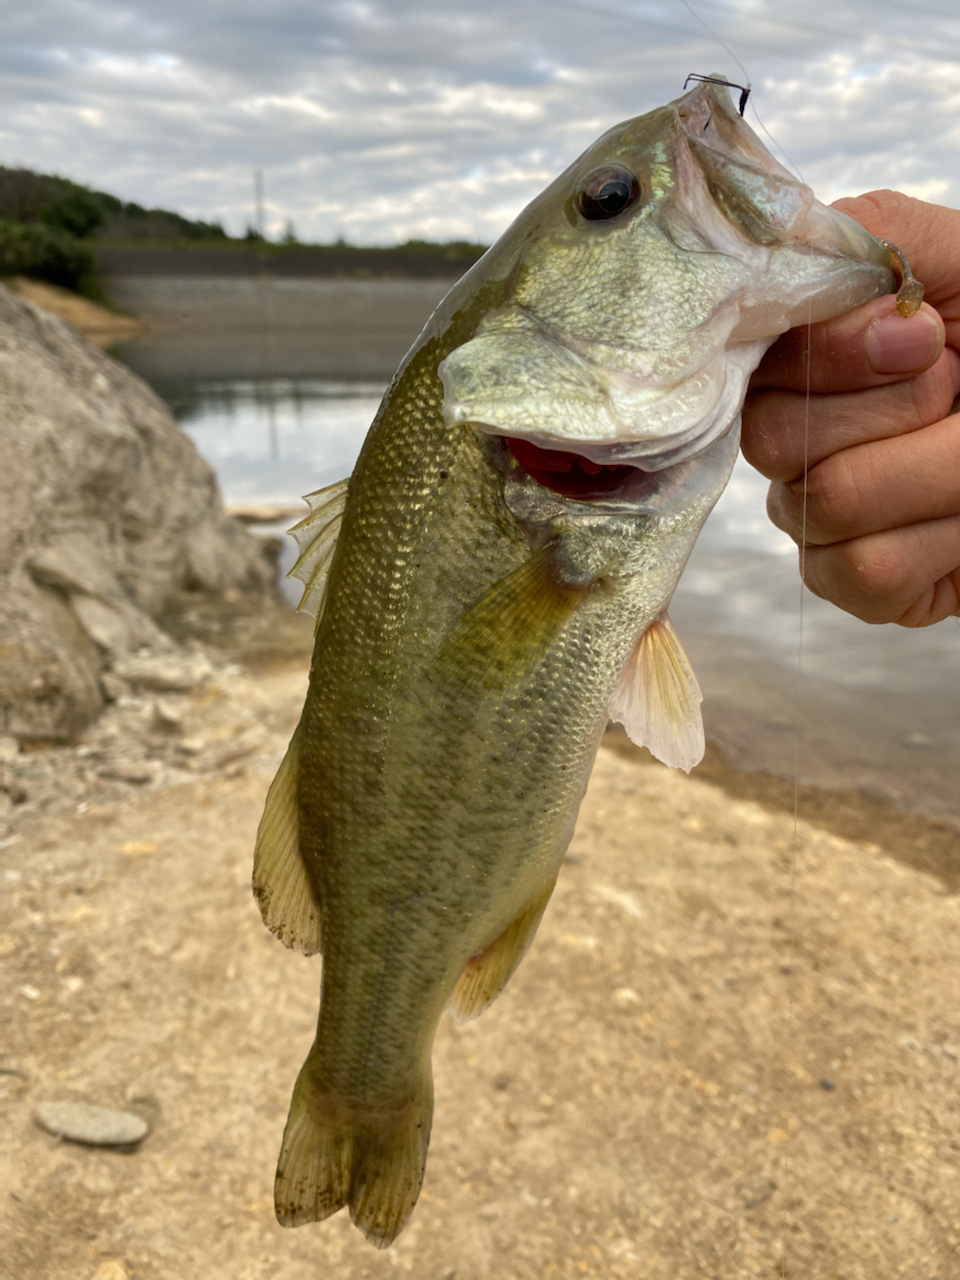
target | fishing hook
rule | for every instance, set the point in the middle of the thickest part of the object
(744, 89)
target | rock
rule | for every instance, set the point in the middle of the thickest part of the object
(13, 787)
(9, 749)
(167, 717)
(111, 1270)
(265, 512)
(164, 672)
(110, 518)
(137, 772)
(113, 687)
(90, 1125)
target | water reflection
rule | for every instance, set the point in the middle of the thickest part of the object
(273, 441)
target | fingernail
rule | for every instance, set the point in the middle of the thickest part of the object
(896, 345)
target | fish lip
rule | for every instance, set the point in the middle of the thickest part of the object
(717, 379)
(732, 137)
(780, 210)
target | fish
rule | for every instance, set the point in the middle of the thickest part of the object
(491, 587)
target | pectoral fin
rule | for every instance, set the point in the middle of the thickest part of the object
(281, 886)
(316, 537)
(489, 972)
(658, 700)
(509, 632)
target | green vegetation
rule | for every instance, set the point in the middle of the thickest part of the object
(54, 229)
(455, 250)
(80, 211)
(32, 249)
(47, 223)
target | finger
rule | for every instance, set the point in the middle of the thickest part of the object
(785, 431)
(886, 484)
(909, 576)
(868, 347)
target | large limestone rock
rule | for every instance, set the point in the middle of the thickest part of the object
(107, 514)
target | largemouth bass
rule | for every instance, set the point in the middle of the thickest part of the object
(491, 587)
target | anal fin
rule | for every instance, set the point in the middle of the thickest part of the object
(281, 885)
(489, 972)
(658, 699)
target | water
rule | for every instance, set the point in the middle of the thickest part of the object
(877, 706)
(273, 441)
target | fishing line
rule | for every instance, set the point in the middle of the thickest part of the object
(753, 105)
(798, 744)
(792, 1029)
(709, 30)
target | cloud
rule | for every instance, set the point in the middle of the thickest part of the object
(384, 119)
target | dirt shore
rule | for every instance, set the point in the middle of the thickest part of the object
(733, 1050)
(99, 326)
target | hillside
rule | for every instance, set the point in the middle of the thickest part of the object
(60, 231)
(65, 206)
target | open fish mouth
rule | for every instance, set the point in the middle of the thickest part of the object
(571, 475)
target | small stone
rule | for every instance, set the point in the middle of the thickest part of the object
(165, 672)
(626, 996)
(15, 789)
(167, 717)
(113, 687)
(757, 1193)
(111, 1270)
(917, 741)
(90, 1125)
(264, 512)
(9, 747)
(137, 772)
(29, 993)
(827, 1084)
(108, 627)
(137, 848)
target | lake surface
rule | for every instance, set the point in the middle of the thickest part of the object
(876, 706)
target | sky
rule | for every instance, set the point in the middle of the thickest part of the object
(383, 120)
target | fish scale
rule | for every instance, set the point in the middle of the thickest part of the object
(487, 609)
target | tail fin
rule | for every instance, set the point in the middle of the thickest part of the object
(368, 1157)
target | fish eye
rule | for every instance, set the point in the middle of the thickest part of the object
(607, 193)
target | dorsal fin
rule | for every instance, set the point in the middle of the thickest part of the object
(658, 699)
(489, 972)
(316, 536)
(509, 631)
(281, 886)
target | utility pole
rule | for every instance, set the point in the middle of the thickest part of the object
(258, 195)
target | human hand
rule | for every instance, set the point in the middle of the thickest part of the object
(882, 521)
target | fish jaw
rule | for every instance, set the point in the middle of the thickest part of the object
(821, 263)
(631, 339)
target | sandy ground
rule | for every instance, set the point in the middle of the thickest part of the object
(733, 1051)
(99, 326)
